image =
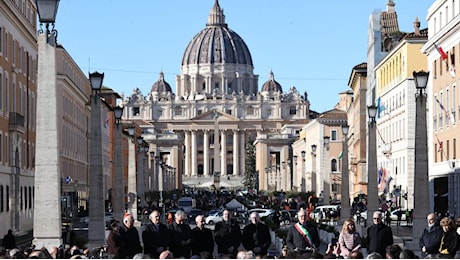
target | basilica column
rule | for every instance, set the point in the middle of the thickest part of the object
(206, 153)
(193, 155)
(187, 153)
(242, 152)
(236, 153)
(223, 152)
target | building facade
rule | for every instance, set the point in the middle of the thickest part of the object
(18, 85)
(395, 92)
(443, 105)
(202, 129)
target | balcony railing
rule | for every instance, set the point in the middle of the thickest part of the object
(16, 122)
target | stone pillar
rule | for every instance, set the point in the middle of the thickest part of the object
(96, 226)
(223, 152)
(242, 147)
(118, 201)
(206, 153)
(132, 182)
(236, 154)
(140, 175)
(194, 154)
(187, 153)
(47, 203)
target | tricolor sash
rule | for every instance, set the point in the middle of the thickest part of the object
(305, 234)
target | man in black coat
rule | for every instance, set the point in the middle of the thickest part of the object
(155, 236)
(181, 236)
(302, 236)
(431, 237)
(379, 235)
(202, 242)
(256, 236)
(227, 235)
(130, 236)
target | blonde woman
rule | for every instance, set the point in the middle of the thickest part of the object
(349, 239)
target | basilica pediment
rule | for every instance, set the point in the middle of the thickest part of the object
(211, 115)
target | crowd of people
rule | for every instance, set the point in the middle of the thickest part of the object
(440, 239)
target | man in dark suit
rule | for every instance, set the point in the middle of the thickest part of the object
(256, 236)
(431, 237)
(227, 235)
(302, 237)
(202, 242)
(379, 235)
(181, 236)
(155, 236)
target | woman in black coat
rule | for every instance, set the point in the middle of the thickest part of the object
(449, 239)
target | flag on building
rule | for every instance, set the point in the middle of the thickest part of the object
(439, 144)
(441, 52)
(341, 155)
(449, 115)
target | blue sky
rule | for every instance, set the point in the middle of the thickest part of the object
(312, 45)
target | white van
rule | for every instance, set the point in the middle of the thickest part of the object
(325, 212)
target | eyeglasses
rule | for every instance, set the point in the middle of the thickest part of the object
(376, 218)
(301, 216)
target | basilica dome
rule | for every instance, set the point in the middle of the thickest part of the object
(217, 43)
(272, 85)
(161, 85)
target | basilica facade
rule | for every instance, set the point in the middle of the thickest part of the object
(202, 128)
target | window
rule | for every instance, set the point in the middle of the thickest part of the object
(136, 111)
(292, 110)
(334, 135)
(250, 111)
(229, 88)
(7, 201)
(228, 111)
(454, 149)
(25, 197)
(452, 57)
(333, 165)
(203, 86)
(178, 111)
(30, 198)
(21, 199)
(216, 85)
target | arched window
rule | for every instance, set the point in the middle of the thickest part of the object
(333, 165)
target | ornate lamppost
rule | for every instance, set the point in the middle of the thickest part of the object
(47, 180)
(421, 191)
(345, 191)
(313, 167)
(118, 202)
(373, 202)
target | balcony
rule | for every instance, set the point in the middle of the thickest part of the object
(16, 122)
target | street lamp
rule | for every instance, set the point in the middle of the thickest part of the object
(373, 202)
(313, 168)
(118, 202)
(345, 195)
(47, 11)
(47, 230)
(421, 191)
(96, 226)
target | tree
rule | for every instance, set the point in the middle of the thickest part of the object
(251, 176)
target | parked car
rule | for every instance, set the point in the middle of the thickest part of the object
(214, 218)
(288, 216)
(394, 214)
(325, 212)
(262, 212)
(193, 214)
